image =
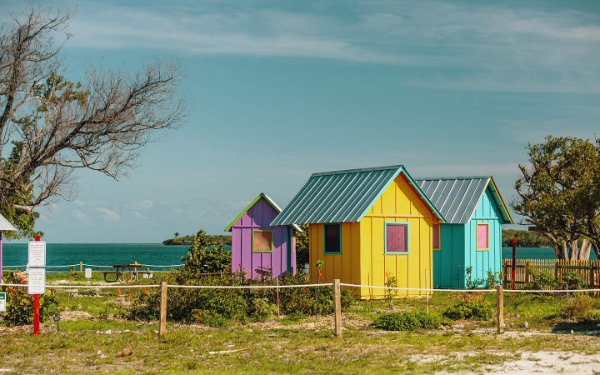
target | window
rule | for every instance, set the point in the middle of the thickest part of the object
(436, 236)
(483, 241)
(333, 238)
(262, 241)
(396, 238)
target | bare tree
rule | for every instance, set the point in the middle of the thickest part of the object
(50, 126)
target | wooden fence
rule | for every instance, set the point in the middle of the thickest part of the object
(588, 271)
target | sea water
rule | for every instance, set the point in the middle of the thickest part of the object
(154, 254)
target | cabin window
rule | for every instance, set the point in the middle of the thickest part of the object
(333, 238)
(436, 236)
(396, 238)
(262, 241)
(483, 236)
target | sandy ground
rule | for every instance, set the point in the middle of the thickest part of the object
(542, 362)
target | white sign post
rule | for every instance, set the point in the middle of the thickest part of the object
(2, 301)
(36, 281)
(37, 254)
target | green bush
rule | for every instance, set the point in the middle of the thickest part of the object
(407, 321)
(470, 309)
(19, 304)
(237, 304)
(540, 280)
(578, 307)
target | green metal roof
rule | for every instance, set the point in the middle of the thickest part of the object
(343, 196)
(249, 206)
(458, 197)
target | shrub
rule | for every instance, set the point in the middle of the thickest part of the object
(237, 304)
(407, 321)
(572, 281)
(541, 280)
(578, 307)
(19, 304)
(470, 308)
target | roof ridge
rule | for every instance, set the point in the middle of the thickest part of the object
(451, 178)
(357, 170)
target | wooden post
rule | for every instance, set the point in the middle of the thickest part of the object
(500, 308)
(337, 307)
(426, 294)
(81, 266)
(162, 328)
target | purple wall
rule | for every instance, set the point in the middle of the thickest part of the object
(260, 216)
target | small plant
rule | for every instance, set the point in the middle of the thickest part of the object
(262, 309)
(391, 282)
(493, 279)
(320, 264)
(578, 307)
(572, 281)
(470, 308)
(407, 321)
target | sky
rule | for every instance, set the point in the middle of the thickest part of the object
(279, 90)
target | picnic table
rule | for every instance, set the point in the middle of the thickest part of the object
(121, 270)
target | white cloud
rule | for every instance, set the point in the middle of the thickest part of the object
(488, 46)
(141, 205)
(79, 215)
(106, 214)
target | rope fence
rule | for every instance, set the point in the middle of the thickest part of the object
(164, 286)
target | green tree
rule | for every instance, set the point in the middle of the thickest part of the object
(206, 255)
(51, 126)
(558, 194)
(302, 241)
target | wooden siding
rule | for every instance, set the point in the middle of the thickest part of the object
(482, 261)
(343, 266)
(398, 204)
(244, 259)
(448, 265)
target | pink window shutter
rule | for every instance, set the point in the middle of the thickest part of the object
(482, 236)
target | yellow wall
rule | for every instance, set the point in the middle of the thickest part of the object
(399, 203)
(363, 260)
(344, 266)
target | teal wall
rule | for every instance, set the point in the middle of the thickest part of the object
(448, 270)
(459, 248)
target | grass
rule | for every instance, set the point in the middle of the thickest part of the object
(89, 346)
(293, 344)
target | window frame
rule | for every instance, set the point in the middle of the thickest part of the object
(439, 237)
(252, 243)
(477, 236)
(325, 239)
(407, 239)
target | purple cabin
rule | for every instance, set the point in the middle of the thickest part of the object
(257, 248)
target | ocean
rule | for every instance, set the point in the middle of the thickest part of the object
(154, 254)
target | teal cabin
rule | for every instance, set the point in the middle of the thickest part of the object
(471, 238)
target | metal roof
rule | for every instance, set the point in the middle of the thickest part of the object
(343, 196)
(5, 225)
(269, 200)
(457, 197)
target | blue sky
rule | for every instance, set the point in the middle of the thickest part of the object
(279, 90)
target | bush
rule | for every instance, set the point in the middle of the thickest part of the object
(237, 304)
(578, 307)
(407, 321)
(541, 280)
(470, 308)
(19, 304)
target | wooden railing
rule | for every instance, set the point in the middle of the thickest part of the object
(587, 270)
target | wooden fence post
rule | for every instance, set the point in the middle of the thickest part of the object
(162, 328)
(500, 308)
(81, 266)
(337, 307)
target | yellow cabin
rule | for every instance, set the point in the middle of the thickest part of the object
(365, 226)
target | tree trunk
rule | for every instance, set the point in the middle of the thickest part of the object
(586, 247)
